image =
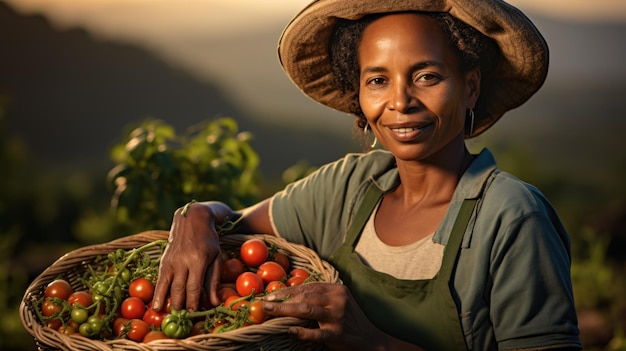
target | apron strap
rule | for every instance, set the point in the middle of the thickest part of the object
(363, 213)
(453, 246)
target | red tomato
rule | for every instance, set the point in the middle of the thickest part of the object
(282, 260)
(275, 285)
(253, 252)
(295, 280)
(67, 330)
(256, 313)
(54, 323)
(82, 298)
(231, 269)
(49, 307)
(154, 335)
(153, 318)
(119, 325)
(235, 306)
(59, 288)
(270, 271)
(133, 308)
(141, 288)
(138, 330)
(299, 272)
(249, 282)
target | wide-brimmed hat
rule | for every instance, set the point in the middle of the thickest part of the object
(520, 69)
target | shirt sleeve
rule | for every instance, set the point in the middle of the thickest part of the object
(532, 302)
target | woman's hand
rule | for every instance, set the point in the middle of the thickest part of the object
(342, 323)
(191, 263)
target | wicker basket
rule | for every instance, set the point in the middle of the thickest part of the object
(271, 335)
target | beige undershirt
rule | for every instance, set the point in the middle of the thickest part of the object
(418, 260)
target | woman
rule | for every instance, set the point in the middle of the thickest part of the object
(437, 249)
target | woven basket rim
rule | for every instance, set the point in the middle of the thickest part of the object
(299, 254)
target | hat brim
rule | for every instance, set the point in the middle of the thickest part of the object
(521, 69)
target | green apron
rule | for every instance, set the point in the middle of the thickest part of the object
(422, 312)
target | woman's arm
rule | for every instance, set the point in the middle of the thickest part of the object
(192, 261)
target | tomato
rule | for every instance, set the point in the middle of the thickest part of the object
(154, 335)
(282, 260)
(235, 306)
(253, 252)
(67, 330)
(225, 292)
(54, 323)
(256, 313)
(79, 315)
(50, 307)
(133, 308)
(119, 325)
(141, 288)
(295, 280)
(137, 329)
(198, 328)
(299, 272)
(270, 271)
(231, 269)
(83, 298)
(153, 318)
(59, 288)
(248, 283)
(273, 286)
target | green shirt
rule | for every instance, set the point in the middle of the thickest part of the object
(512, 282)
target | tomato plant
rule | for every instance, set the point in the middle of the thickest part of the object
(137, 329)
(271, 271)
(248, 283)
(253, 252)
(59, 288)
(133, 308)
(141, 288)
(231, 269)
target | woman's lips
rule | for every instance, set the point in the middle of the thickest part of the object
(409, 133)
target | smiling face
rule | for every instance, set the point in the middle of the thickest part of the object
(411, 89)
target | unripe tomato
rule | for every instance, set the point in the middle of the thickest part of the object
(253, 252)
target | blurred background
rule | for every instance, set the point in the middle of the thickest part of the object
(77, 77)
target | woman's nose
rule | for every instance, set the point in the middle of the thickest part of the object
(401, 98)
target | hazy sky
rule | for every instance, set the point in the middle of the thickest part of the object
(234, 42)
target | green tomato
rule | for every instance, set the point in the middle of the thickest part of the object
(79, 315)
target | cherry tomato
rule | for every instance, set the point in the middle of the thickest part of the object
(141, 288)
(59, 288)
(295, 280)
(138, 329)
(79, 315)
(249, 282)
(67, 330)
(119, 324)
(154, 335)
(256, 313)
(270, 271)
(231, 269)
(235, 306)
(153, 318)
(82, 297)
(273, 286)
(133, 308)
(253, 252)
(282, 260)
(198, 328)
(299, 272)
(54, 323)
(50, 307)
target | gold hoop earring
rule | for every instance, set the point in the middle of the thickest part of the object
(365, 132)
(471, 113)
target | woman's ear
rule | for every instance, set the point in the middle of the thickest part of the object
(472, 82)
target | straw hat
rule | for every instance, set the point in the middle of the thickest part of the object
(521, 69)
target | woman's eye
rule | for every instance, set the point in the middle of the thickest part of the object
(428, 78)
(376, 81)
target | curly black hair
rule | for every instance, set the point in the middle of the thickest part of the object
(472, 47)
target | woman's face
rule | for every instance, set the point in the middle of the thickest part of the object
(411, 89)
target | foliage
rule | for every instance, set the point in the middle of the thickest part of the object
(158, 171)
